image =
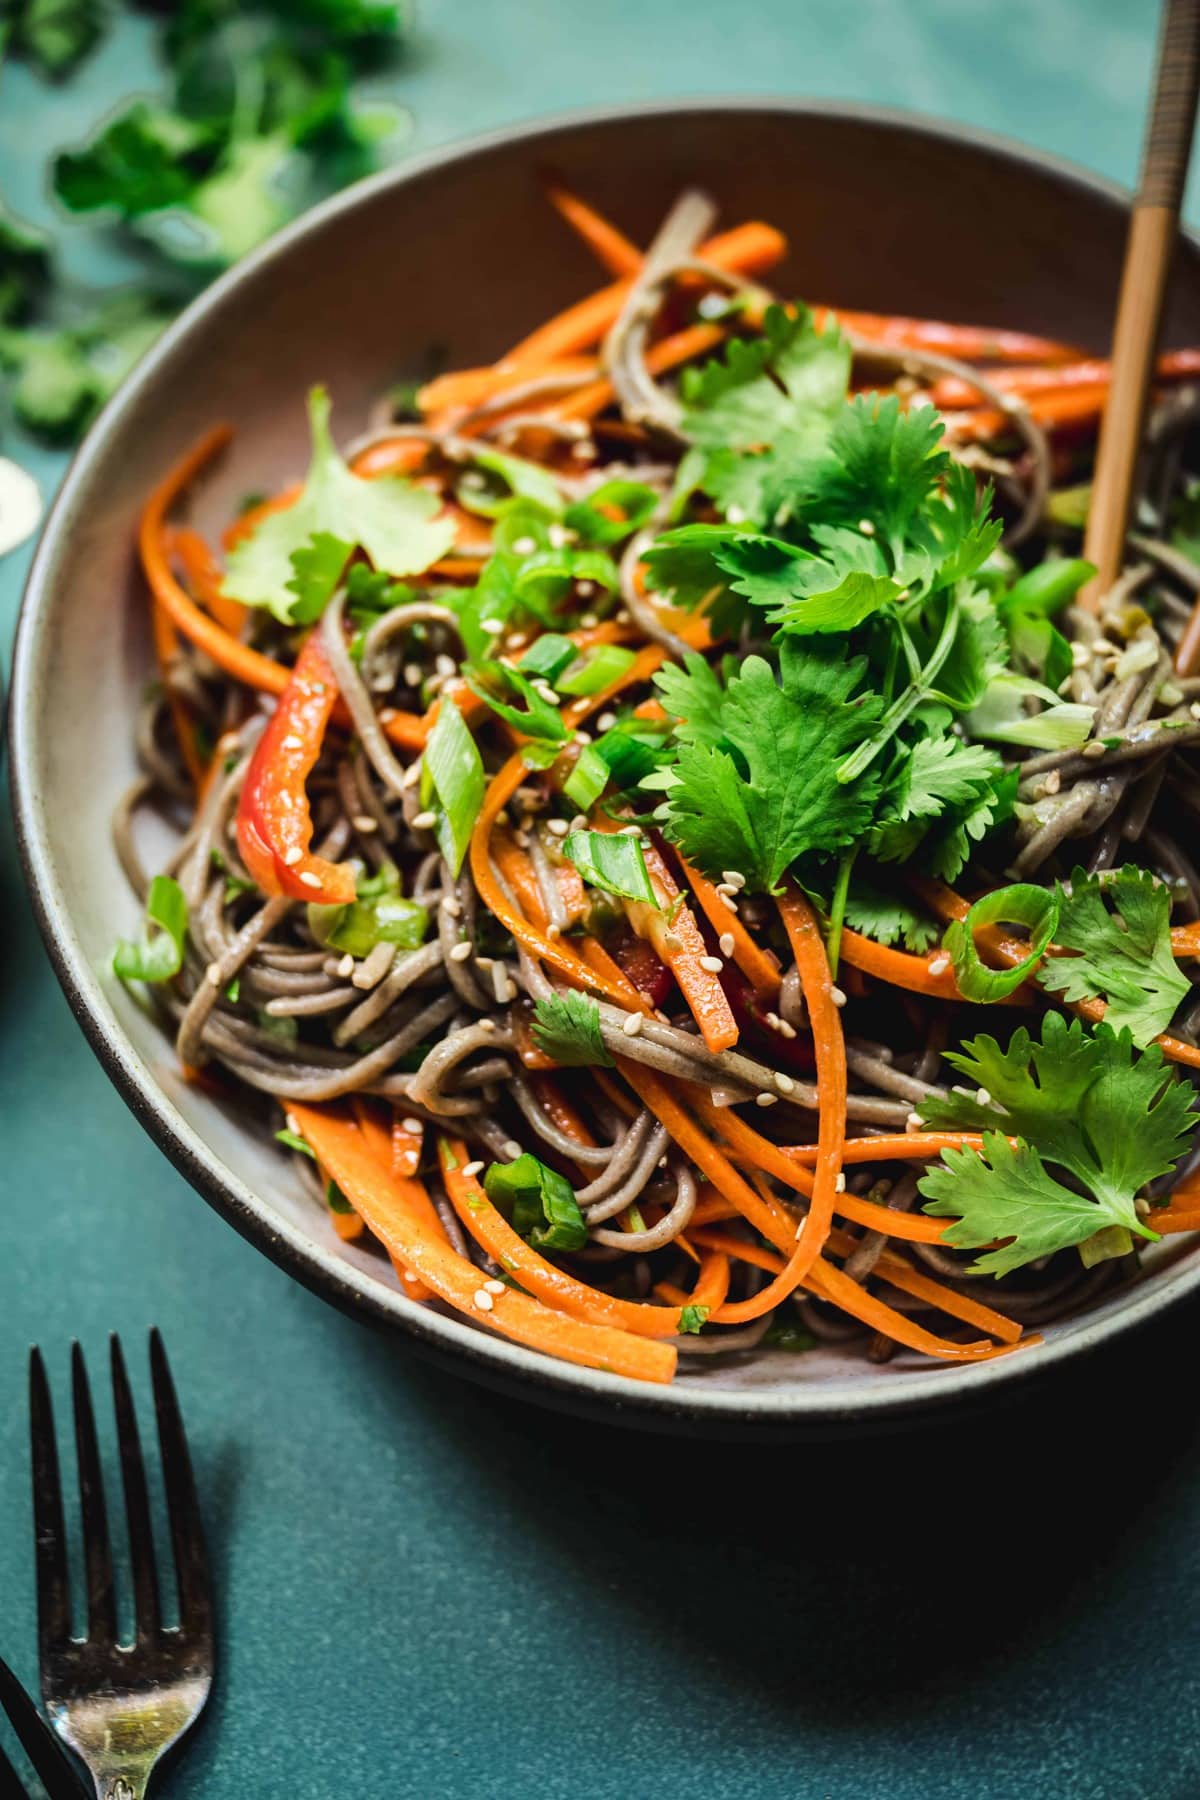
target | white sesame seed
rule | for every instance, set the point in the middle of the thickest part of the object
(725, 943)
(582, 737)
(511, 1149)
(632, 1025)
(558, 826)
(837, 996)
(734, 877)
(938, 965)
(412, 674)
(473, 480)
(839, 1186)
(983, 1097)
(713, 964)
(424, 821)
(346, 967)
(579, 822)
(1053, 782)
(524, 546)
(913, 1122)
(765, 1099)
(867, 527)
(502, 987)
(446, 665)
(672, 942)
(735, 514)
(309, 879)
(483, 1300)
(786, 1030)
(472, 1169)
(585, 590)
(730, 903)
(1141, 1208)
(413, 1127)
(588, 620)
(1096, 748)
(546, 691)
(292, 742)
(413, 773)
(606, 721)
(493, 1286)
(293, 856)
(491, 625)
(559, 537)
(365, 823)
(784, 1083)
(488, 1025)
(773, 1020)
(452, 905)
(409, 1277)
(1194, 709)
(460, 952)
(292, 1123)
(386, 714)
(517, 640)
(1080, 654)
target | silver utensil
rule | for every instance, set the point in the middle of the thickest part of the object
(119, 1706)
(47, 1759)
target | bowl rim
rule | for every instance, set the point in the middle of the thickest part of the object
(497, 1362)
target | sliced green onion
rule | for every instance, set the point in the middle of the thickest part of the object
(545, 577)
(524, 479)
(633, 501)
(587, 780)
(1047, 589)
(538, 1203)
(380, 915)
(548, 656)
(159, 955)
(539, 718)
(1022, 904)
(452, 770)
(294, 1141)
(598, 670)
(632, 752)
(612, 862)
(520, 523)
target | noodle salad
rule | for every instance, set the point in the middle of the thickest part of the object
(660, 842)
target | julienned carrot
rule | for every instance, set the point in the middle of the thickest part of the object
(808, 949)
(909, 1146)
(676, 937)
(1096, 371)
(747, 250)
(408, 1139)
(757, 1151)
(551, 950)
(900, 968)
(1059, 410)
(393, 1211)
(166, 648)
(559, 1109)
(667, 354)
(839, 1290)
(554, 1286)
(460, 390)
(1168, 1220)
(948, 905)
(970, 343)
(204, 577)
(237, 659)
(757, 965)
(611, 248)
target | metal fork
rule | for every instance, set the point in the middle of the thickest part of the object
(48, 1761)
(119, 1706)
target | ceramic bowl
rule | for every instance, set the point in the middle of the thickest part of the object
(459, 251)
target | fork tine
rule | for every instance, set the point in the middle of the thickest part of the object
(49, 1535)
(187, 1531)
(97, 1551)
(146, 1613)
(49, 1762)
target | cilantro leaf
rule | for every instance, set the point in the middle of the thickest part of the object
(789, 735)
(1113, 1117)
(1122, 955)
(941, 772)
(883, 465)
(695, 697)
(888, 918)
(54, 35)
(756, 391)
(566, 1026)
(390, 518)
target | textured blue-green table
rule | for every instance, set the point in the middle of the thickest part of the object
(428, 1592)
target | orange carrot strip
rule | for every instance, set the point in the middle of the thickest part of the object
(839, 1290)
(381, 1142)
(748, 249)
(667, 354)
(393, 1212)
(681, 946)
(166, 648)
(204, 573)
(552, 1285)
(908, 1146)
(461, 389)
(611, 248)
(899, 967)
(237, 659)
(560, 1111)
(408, 1140)
(1167, 1221)
(1096, 371)
(1058, 410)
(808, 949)
(969, 343)
(757, 965)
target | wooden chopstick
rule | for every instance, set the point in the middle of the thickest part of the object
(1148, 250)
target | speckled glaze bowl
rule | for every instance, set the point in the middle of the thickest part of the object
(459, 250)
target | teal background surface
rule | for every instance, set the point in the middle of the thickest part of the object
(427, 1591)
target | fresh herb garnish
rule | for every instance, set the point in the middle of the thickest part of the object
(1120, 933)
(452, 773)
(538, 1203)
(159, 954)
(566, 1026)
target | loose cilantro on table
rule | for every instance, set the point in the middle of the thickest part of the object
(1088, 1103)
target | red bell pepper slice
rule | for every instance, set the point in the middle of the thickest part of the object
(274, 825)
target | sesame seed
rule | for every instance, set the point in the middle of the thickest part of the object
(446, 665)
(1194, 709)
(559, 537)
(765, 1099)
(786, 1030)
(472, 1169)
(292, 742)
(546, 691)
(474, 479)
(726, 887)
(452, 905)
(483, 1300)
(488, 1025)
(579, 822)
(730, 903)
(511, 1149)
(583, 737)
(292, 1123)
(672, 942)
(938, 965)
(424, 821)
(837, 996)
(1080, 654)
(734, 877)
(491, 625)
(493, 1286)
(346, 967)
(867, 527)
(735, 514)
(1053, 782)
(713, 964)
(460, 952)
(588, 619)
(413, 1127)
(309, 879)
(502, 987)
(364, 822)
(632, 1025)
(386, 714)
(412, 674)
(413, 773)
(839, 1186)
(725, 943)
(524, 546)
(409, 1277)
(517, 640)
(773, 1020)
(553, 930)
(784, 1083)
(1141, 1208)
(558, 826)
(606, 721)
(293, 856)
(913, 1122)
(983, 1097)
(1095, 749)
